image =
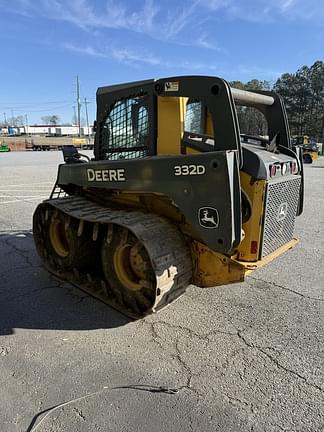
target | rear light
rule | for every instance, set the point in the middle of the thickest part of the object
(285, 168)
(254, 247)
(294, 167)
(273, 170)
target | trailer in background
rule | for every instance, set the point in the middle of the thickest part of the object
(66, 131)
(13, 131)
(87, 131)
(83, 143)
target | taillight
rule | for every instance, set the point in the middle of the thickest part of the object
(294, 167)
(273, 170)
(254, 247)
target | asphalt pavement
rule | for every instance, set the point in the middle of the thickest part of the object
(246, 357)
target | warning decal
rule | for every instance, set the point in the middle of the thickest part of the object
(171, 86)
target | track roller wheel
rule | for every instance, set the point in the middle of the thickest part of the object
(128, 269)
(60, 243)
(145, 261)
(146, 267)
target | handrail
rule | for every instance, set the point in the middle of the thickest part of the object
(249, 97)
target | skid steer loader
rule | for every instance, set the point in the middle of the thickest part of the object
(174, 195)
(309, 147)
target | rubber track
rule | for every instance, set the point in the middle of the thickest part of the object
(166, 246)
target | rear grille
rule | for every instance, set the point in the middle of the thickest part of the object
(280, 213)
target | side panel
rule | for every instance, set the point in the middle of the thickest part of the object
(205, 187)
(251, 244)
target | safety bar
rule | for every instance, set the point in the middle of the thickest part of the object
(243, 97)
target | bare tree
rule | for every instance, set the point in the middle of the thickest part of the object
(51, 120)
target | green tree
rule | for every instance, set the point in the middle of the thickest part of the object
(251, 120)
(303, 94)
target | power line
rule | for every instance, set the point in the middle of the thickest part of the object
(42, 110)
(28, 104)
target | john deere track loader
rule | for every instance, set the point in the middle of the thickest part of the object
(174, 195)
(309, 147)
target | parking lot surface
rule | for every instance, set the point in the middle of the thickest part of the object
(247, 357)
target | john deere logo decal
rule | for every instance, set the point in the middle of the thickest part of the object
(208, 217)
(282, 211)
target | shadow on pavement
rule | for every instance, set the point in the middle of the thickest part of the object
(34, 299)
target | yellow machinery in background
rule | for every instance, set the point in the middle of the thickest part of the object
(309, 146)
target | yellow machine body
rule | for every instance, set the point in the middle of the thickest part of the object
(210, 268)
(171, 199)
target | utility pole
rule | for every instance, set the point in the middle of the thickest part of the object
(86, 109)
(75, 120)
(79, 105)
(26, 118)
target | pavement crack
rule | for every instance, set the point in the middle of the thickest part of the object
(28, 293)
(71, 292)
(185, 367)
(277, 363)
(189, 331)
(287, 289)
(176, 352)
(22, 253)
(4, 351)
(25, 267)
(155, 335)
(245, 405)
(79, 413)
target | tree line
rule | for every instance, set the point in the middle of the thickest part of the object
(303, 95)
(21, 120)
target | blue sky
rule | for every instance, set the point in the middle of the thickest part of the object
(46, 43)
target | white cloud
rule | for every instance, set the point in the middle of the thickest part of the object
(268, 10)
(163, 24)
(122, 55)
(133, 58)
(114, 15)
(216, 4)
(185, 22)
(286, 5)
(87, 50)
(163, 19)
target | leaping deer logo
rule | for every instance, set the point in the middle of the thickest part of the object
(282, 211)
(208, 217)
